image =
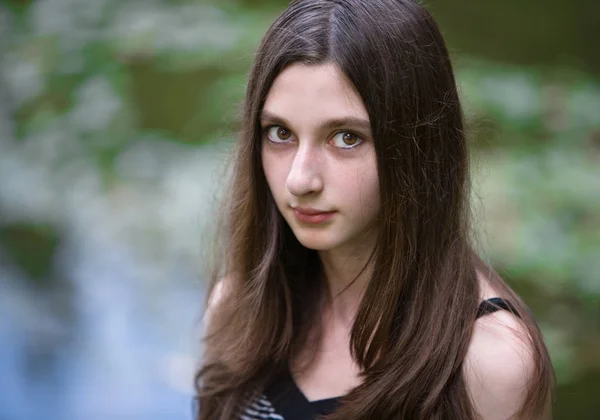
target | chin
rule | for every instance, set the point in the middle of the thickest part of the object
(318, 241)
(315, 246)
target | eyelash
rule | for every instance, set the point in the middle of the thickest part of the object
(265, 131)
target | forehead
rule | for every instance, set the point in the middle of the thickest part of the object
(305, 93)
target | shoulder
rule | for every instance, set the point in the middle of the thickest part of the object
(216, 296)
(499, 365)
(218, 292)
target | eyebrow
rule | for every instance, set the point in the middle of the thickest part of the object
(352, 122)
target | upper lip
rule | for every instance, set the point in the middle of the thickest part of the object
(310, 211)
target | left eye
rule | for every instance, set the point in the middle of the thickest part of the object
(278, 134)
(346, 140)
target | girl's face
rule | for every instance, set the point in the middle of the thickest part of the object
(319, 158)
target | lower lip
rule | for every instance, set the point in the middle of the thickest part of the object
(313, 218)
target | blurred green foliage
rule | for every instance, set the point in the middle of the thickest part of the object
(84, 80)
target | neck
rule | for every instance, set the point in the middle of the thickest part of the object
(347, 275)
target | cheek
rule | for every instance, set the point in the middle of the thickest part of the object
(367, 180)
(369, 192)
(275, 173)
(372, 185)
(359, 191)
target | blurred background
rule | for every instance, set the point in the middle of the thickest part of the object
(116, 118)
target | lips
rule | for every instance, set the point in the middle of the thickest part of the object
(309, 211)
(312, 216)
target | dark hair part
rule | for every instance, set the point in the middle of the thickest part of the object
(415, 320)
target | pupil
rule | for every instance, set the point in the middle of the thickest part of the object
(283, 133)
(349, 138)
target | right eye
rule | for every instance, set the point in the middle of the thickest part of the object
(278, 134)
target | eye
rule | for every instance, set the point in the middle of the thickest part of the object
(346, 140)
(278, 134)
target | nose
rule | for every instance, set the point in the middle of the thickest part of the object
(305, 175)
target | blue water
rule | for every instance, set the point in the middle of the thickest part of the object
(115, 347)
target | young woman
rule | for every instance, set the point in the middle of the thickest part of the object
(348, 287)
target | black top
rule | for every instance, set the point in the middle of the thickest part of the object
(283, 400)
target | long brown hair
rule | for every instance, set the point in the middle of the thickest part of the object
(415, 320)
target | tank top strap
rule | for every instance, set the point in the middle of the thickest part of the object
(494, 304)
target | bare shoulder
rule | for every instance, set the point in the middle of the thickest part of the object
(499, 365)
(500, 361)
(217, 294)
